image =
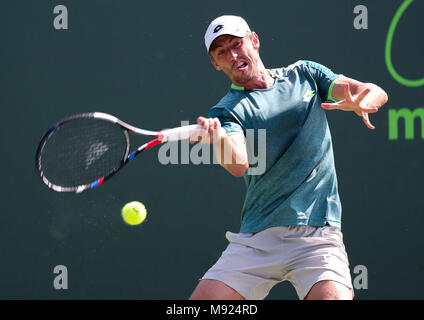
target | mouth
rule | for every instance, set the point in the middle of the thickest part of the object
(240, 65)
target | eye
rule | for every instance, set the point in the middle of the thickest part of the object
(221, 52)
(237, 44)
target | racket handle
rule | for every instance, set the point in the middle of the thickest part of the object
(180, 133)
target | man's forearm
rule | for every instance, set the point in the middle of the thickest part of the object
(231, 153)
(377, 97)
(353, 95)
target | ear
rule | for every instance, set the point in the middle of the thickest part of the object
(217, 67)
(255, 41)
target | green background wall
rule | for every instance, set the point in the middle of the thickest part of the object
(145, 62)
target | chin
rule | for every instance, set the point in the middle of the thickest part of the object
(242, 80)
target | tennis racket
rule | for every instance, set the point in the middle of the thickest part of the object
(83, 151)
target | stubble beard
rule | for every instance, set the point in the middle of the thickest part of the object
(244, 77)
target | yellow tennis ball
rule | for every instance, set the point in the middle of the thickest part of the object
(134, 213)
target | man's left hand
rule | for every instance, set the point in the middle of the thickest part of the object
(354, 103)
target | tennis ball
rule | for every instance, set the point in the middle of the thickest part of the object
(134, 213)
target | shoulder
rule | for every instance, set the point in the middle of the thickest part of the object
(315, 66)
(296, 67)
(227, 104)
(306, 68)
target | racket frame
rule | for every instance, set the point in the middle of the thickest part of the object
(161, 136)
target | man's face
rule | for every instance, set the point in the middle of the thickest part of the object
(236, 57)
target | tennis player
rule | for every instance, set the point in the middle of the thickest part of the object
(291, 217)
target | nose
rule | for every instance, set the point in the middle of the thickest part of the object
(233, 54)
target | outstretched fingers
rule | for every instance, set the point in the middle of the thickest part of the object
(367, 121)
(347, 94)
(341, 105)
(360, 102)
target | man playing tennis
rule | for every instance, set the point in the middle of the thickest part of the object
(291, 217)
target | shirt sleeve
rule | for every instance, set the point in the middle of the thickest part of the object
(324, 78)
(228, 122)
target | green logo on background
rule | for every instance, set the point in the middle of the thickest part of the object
(388, 52)
(409, 117)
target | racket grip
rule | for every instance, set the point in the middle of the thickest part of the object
(180, 133)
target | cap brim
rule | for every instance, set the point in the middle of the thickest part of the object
(239, 34)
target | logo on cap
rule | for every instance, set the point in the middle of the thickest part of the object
(217, 28)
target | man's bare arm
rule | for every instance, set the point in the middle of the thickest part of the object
(230, 150)
(362, 98)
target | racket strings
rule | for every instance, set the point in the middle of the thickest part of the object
(82, 151)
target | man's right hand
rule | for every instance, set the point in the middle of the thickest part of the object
(230, 150)
(212, 131)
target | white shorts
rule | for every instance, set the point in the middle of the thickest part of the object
(254, 262)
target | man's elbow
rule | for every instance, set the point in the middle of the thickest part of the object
(383, 97)
(238, 170)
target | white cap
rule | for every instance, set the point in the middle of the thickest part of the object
(232, 25)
